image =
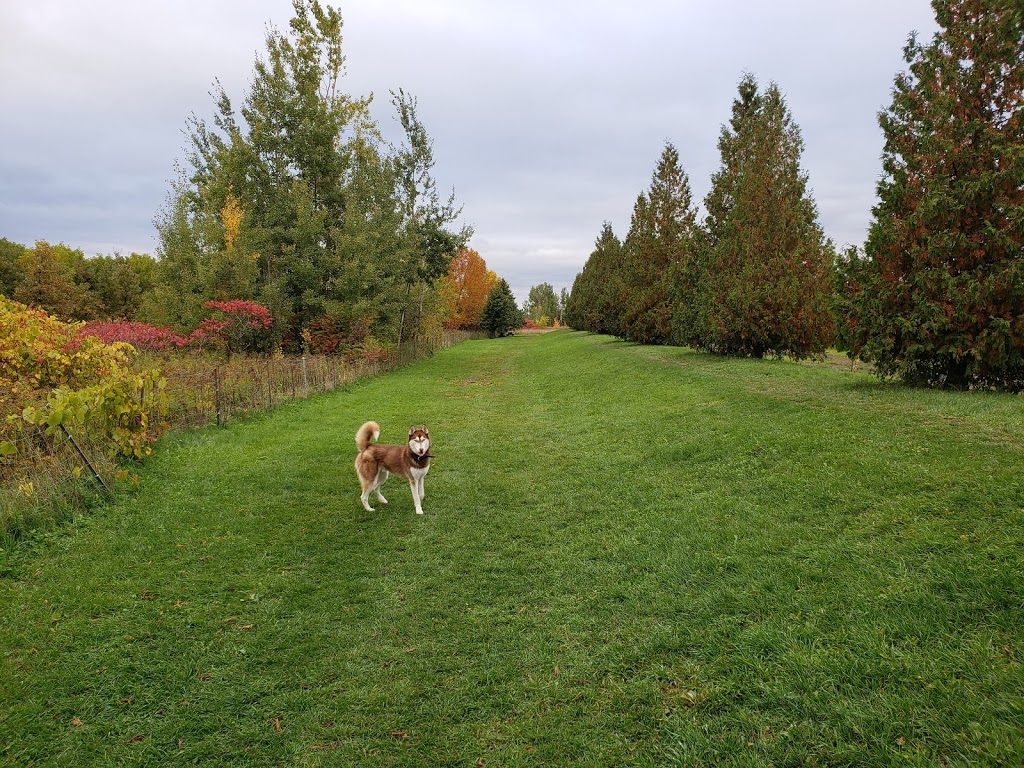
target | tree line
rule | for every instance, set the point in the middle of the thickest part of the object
(936, 294)
(123, 295)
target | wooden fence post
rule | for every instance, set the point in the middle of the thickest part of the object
(270, 390)
(216, 391)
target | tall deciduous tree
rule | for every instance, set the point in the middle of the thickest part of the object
(542, 304)
(428, 240)
(301, 205)
(765, 267)
(48, 282)
(939, 296)
(11, 270)
(466, 287)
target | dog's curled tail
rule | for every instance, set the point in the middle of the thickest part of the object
(369, 431)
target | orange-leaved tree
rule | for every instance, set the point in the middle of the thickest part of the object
(465, 288)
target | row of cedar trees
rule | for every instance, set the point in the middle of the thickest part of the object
(296, 202)
(936, 295)
(751, 280)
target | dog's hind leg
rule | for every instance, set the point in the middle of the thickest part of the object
(365, 498)
(382, 475)
(367, 485)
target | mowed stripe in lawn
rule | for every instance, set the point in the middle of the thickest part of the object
(629, 556)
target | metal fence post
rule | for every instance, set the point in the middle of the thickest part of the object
(89, 464)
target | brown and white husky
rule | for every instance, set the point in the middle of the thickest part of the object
(375, 461)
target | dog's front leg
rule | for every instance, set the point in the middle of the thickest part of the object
(414, 487)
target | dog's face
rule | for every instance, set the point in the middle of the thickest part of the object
(419, 440)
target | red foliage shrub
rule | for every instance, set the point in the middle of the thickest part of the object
(242, 326)
(239, 311)
(144, 337)
(325, 336)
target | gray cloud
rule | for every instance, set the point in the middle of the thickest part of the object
(547, 117)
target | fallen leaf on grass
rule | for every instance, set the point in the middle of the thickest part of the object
(245, 626)
(181, 743)
(400, 735)
(147, 595)
(135, 739)
(75, 722)
(125, 700)
(277, 725)
(410, 650)
(556, 671)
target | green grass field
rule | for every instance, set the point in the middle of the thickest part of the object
(630, 556)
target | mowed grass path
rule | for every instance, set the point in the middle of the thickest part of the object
(630, 556)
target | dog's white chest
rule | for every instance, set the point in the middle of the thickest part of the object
(418, 472)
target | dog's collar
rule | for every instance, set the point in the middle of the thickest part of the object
(422, 458)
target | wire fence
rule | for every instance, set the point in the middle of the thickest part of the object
(244, 385)
(51, 475)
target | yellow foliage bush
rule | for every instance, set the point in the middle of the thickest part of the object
(53, 376)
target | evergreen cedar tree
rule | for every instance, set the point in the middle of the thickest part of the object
(500, 315)
(762, 278)
(937, 297)
(659, 238)
(597, 292)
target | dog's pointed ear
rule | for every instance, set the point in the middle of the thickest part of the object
(412, 428)
(425, 430)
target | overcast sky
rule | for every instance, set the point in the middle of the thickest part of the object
(547, 116)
